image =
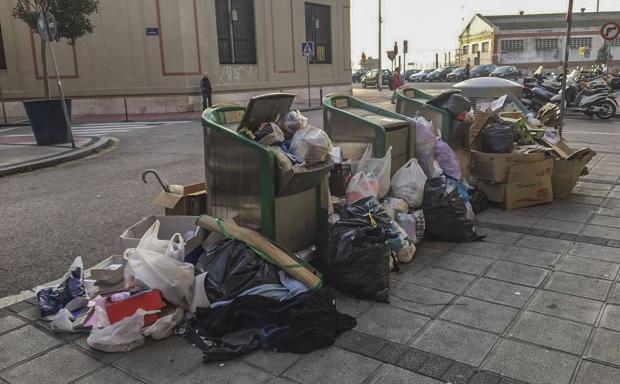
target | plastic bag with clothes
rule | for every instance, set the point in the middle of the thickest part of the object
(446, 158)
(447, 213)
(380, 167)
(232, 267)
(498, 138)
(311, 145)
(408, 183)
(53, 299)
(292, 122)
(122, 336)
(175, 279)
(362, 185)
(425, 145)
(174, 247)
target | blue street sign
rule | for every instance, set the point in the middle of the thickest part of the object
(307, 48)
(152, 31)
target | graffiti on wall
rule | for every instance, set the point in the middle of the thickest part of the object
(234, 74)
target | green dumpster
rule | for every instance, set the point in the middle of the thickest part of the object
(411, 102)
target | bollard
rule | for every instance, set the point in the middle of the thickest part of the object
(126, 114)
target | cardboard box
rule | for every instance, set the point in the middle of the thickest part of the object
(169, 225)
(191, 200)
(528, 184)
(463, 157)
(566, 174)
(109, 271)
(496, 166)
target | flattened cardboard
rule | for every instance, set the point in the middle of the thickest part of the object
(566, 174)
(480, 121)
(495, 167)
(192, 201)
(463, 157)
(169, 225)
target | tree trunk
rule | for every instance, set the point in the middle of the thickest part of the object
(46, 85)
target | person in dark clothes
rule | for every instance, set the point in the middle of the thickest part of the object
(205, 86)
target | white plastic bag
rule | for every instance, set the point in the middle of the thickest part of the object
(406, 253)
(395, 204)
(311, 145)
(408, 183)
(175, 247)
(446, 158)
(425, 144)
(119, 337)
(164, 326)
(362, 185)
(380, 167)
(292, 122)
(63, 321)
(175, 279)
(408, 223)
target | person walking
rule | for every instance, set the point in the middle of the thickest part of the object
(396, 82)
(466, 72)
(205, 86)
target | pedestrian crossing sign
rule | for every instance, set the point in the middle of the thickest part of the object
(307, 48)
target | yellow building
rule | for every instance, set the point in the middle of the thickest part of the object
(154, 53)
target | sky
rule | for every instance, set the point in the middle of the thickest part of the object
(433, 26)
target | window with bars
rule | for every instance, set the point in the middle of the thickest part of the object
(319, 30)
(236, 40)
(546, 44)
(576, 42)
(485, 47)
(465, 49)
(615, 42)
(474, 48)
(512, 45)
(2, 57)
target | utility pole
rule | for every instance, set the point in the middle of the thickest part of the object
(569, 24)
(597, 4)
(436, 60)
(449, 58)
(380, 72)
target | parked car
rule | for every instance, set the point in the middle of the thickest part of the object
(507, 72)
(439, 74)
(457, 75)
(483, 70)
(370, 78)
(421, 76)
(410, 72)
(357, 75)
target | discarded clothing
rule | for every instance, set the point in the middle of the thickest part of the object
(53, 299)
(299, 325)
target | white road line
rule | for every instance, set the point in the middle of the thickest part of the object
(109, 129)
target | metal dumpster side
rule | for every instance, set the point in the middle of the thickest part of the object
(411, 101)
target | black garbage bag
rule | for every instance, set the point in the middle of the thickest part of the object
(478, 199)
(446, 212)
(455, 104)
(364, 212)
(53, 299)
(498, 138)
(232, 268)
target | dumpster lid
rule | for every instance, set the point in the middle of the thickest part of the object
(266, 108)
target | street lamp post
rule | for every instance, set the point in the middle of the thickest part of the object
(380, 72)
(569, 22)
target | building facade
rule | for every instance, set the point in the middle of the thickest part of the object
(153, 52)
(529, 41)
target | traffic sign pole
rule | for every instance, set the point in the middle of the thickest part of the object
(307, 49)
(609, 31)
(308, 65)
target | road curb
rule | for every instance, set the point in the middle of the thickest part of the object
(97, 144)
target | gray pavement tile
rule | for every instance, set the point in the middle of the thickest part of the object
(280, 380)
(426, 255)
(508, 218)
(406, 271)
(614, 296)
(551, 332)
(480, 314)
(21, 306)
(573, 207)
(590, 192)
(578, 285)
(107, 357)
(273, 362)
(5, 312)
(608, 221)
(534, 211)
(591, 372)
(598, 252)
(458, 374)
(463, 263)
(32, 314)
(64, 336)
(434, 244)
(612, 203)
(418, 299)
(332, 365)
(23, 343)
(390, 323)
(500, 292)
(613, 243)
(532, 257)
(593, 200)
(590, 267)
(543, 243)
(517, 273)
(161, 361)
(531, 363)
(485, 378)
(235, 371)
(566, 306)
(604, 347)
(441, 279)
(435, 367)
(391, 353)
(483, 248)
(390, 374)
(108, 375)
(559, 225)
(412, 359)
(350, 305)
(455, 342)
(599, 186)
(601, 231)
(10, 322)
(60, 366)
(615, 212)
(360, 343)
(611, 317)
(500, 237)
